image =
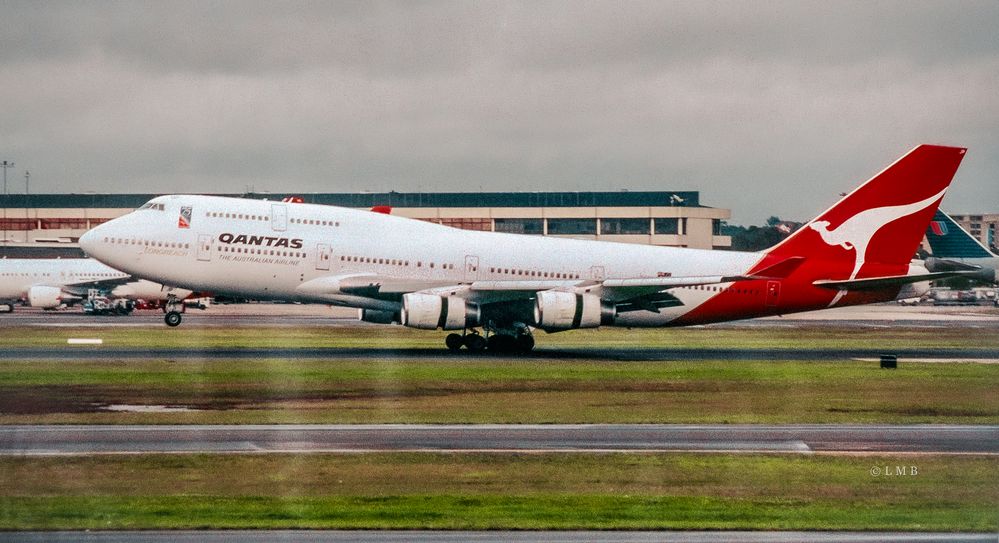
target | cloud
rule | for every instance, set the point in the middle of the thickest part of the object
(767, 108)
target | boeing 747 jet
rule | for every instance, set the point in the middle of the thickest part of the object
(429, 276)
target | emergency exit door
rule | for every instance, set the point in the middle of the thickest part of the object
(205, 247)
(471, 268)
(279, 217)
(773, 293)
(322, 256)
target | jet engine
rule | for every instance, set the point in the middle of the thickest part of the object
(430, 312)
(559, 310)
(377, 316)
(46, 297)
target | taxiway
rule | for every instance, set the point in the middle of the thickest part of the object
(289, 438)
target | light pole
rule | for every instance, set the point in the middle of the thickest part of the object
(27, 217)
(5, 164)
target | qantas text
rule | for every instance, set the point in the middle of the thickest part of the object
(267, 241)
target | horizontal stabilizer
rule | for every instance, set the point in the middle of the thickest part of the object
(945, 265)
(874, 283)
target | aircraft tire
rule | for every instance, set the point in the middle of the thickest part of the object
(475, 343)
(454, 342)
(172, 318)
(525, 343)
(501, 343)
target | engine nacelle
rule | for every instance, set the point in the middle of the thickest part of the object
(47, 297)
(558, 310)
(377, 316)
(430, 312)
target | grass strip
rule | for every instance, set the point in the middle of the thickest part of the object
(502, 391)
(484, 513)
(484, 491)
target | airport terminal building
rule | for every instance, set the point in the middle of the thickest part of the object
(675, 219)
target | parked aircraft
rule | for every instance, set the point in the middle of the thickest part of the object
(430, 276)
(955, 249)
(52, 282)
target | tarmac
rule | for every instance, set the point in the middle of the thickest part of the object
(30, 440)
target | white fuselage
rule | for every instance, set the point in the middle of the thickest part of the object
(272, 250)
(19, 275)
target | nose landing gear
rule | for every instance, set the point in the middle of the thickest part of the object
(173, 308)
(172, 318)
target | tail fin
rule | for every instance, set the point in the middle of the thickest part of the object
(948, 240)
(876, 229)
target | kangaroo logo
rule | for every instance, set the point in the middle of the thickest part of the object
(855, 234)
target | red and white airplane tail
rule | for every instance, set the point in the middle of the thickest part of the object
(874, 231)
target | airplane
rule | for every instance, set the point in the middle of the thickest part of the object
(429, 276)
(955, 249)
(53, 282)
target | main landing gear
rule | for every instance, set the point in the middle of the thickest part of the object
(504, 341)
(173, 308)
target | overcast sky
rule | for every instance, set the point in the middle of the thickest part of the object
(767, 108)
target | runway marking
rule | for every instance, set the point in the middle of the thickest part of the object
(938, 360)
(84, 341)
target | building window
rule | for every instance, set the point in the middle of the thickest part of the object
(59, 224)
(568, 227)
(667, 226)
(716, 227)
(520, 226)
(18, 224)
(624, 226)
(469, 224)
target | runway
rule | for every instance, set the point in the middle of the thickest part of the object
(287, 438)
(623, 354)
(420, 536)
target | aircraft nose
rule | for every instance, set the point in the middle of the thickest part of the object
(90, 241)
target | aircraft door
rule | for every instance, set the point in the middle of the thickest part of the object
(773, 293)
(471, 268)
(322, 256)
(279, 217)
(205, 247)
(597, 273)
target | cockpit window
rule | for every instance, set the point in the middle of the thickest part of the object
(151, 205)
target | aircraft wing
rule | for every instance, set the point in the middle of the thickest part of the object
(627, 293)
(630, 294)
(80, 288)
